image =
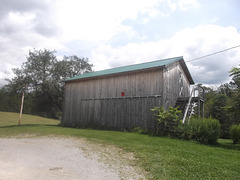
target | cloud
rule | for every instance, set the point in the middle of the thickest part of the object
(190, 43)
(116, 33)
(9, 6)
(99, 20)
(24, 25)
(187, 4)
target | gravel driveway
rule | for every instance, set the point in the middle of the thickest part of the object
(64, 158)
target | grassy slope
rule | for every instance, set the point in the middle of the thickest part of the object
(162, 157)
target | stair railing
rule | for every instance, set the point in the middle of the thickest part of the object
(188, 105)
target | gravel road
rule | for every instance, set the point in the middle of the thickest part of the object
(64, 158)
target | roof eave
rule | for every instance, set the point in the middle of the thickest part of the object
(184, 66)
(113, 74)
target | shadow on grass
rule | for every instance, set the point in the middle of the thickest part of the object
(228, 145)
(29, 125)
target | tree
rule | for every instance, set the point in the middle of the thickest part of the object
(9, 102)
(235, 73)
(235, 107)
(224, 103)
(41, 80)
(218, 104)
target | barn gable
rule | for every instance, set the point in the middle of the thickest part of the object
(136, 67)
(121, 98)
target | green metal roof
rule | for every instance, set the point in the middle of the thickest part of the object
(135, 67)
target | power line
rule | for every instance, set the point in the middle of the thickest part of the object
(213, 53)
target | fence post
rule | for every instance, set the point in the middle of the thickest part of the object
(20, 116)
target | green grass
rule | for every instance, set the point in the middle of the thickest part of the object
(162, 157)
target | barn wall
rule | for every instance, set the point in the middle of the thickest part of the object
(175, 84)
(98, 103)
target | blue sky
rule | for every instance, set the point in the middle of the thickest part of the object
(114, 33)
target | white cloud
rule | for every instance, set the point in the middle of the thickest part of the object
(187, 4)
(98, 27)
(99, 20)
(191, 43)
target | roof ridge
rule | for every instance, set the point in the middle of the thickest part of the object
(127, 68)
(142, 63)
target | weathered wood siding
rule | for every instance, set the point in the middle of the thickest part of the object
(97, 103)
(175, 84)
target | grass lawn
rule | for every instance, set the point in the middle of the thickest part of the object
(162, 157)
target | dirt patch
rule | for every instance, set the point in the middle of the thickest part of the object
(64, 158)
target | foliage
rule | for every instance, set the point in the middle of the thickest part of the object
(184, 131)
(160, 157)
(139, 130)
(166, 120)
(223, 103)
(235, 133)
(40, 77)
(9, 101)
(205, 130)
(235, 108)
(220, 110)
(235, 73)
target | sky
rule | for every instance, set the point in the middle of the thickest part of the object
(113, 33)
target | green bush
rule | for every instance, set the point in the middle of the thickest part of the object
(205, 130)
(183, 131)
(167, 121)
(235, 133)
(139, 130)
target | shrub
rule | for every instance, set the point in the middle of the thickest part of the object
(205, 130)
(235, 133)
(183, 131)
(139, 130)
(166, 120)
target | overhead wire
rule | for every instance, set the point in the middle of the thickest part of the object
(213, 53)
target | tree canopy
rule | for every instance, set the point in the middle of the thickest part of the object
(40, 77)
(224, 102)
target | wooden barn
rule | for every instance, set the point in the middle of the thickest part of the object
(121, 98)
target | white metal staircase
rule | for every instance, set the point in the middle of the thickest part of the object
(193, 104)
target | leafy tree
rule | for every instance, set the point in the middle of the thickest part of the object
(9, 102)
(224, 103)
(235, 73)
(210, 95)
(235, 107)
(41, 80)
(226, 89)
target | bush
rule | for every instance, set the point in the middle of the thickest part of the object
(166, 120)
(183, 131)
(235, 133)
(205, 130)
(139, 130)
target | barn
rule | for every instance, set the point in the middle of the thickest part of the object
(121, 98)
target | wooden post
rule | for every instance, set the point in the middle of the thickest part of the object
(20, 117)
(199, 103)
